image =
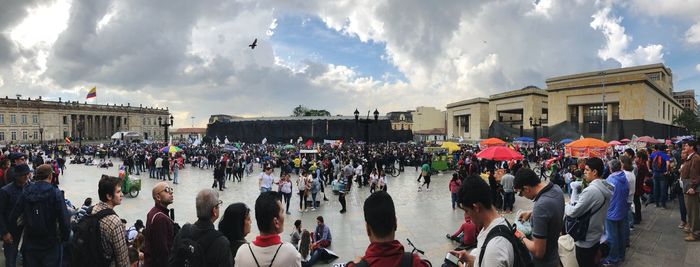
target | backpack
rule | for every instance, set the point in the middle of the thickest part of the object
(87, 240)
(190, 251)
(522, 255)
(406, 261)
(37, 213)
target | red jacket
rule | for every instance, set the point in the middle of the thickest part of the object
(470, 232)
(387, 254)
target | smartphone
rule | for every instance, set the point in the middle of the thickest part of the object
(451, 260)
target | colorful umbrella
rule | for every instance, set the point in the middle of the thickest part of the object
(614, 143)
(288, 147)
(566, 141)
(170, 149)
(450, 146)
(492, 142)
(625, 140)
(543, 140)
(524, 139)
(499, 153)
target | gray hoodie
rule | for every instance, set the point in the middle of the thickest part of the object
(598, 192)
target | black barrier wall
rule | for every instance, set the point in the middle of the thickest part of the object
(281, 131)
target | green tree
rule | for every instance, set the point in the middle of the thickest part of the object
(302, 111)
(688, 120)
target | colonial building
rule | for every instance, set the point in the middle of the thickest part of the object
(687, 100)
(185, 134)
(468, 119)
(401, 120)
(33, 120)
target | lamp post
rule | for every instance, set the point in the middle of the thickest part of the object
(81, 127)
(165, 126)
(366, 121)
(41, 135)
(535, 123)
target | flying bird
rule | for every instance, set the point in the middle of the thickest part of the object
(254, 44)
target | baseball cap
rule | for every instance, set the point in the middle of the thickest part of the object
(17, 155)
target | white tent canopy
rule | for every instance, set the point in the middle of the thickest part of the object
(118, 135)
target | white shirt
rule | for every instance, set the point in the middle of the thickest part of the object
(631, 180)
(499, 251)
(266, 180)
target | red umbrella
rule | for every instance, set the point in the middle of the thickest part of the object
(543, 140)
(614, 143)
(625, 140)
(647, 139)
(499, 153)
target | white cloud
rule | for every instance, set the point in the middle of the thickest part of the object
(697, 67)
(618, 42)
(271, 28)
(692, 36)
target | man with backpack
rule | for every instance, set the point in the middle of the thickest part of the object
(98, 238)
(9, 194)
(159, 227)
(384, 249)
(267, 248)
(497, 244)
(545, 218)
(45, 219)
(660, 163)
(199, 244)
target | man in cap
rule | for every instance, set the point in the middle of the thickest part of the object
(16, 159)
(9, 194)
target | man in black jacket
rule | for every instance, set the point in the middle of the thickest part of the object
(218, 251)
(9, 194)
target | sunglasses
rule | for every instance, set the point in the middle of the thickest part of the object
(168, 190)
(219, 203)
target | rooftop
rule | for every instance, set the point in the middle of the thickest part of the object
(468, 101)
(527, 90)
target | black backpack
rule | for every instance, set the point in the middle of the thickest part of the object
(522, 255)
(37, 213)
(190, 251)
(87, 240)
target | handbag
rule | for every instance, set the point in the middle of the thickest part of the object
(577, 227)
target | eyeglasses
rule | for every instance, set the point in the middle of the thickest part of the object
(168, 190)
(219, 203)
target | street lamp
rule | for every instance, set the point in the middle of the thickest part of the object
(366, 121)
(41, 134)
(165, 126)
(80, 127)
(535, 123)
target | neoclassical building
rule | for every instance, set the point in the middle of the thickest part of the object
(30, 120)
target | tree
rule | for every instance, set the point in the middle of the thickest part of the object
(302, 111)
(688, 120)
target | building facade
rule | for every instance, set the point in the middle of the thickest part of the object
(687, 100)
(427, 118)
(29, 120)
(616, 103)
(401, 120)
(468, 119)
(515, 108)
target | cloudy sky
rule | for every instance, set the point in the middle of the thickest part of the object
(192, 56)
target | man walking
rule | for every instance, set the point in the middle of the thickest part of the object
(159, 227)
(616, 220)
(45, 218)
(660, 163)
(159, 167)
(9, 194)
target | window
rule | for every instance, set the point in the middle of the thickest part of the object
(144, 121)
(13, 119)
(2, 118)
(36, 135)
(35, 119)
(656, 76)
(2, 136)
(65, 119)
(14, 136)
(663, 108)
(24, 119)
(24, 135)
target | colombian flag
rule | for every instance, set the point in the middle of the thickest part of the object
(92, 93)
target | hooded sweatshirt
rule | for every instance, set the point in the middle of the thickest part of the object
(596, 196)
(57, 215)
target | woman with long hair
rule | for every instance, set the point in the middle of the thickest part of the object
(305, 246)
(235, 225)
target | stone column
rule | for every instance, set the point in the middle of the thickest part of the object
(580, 114)
(609, 112)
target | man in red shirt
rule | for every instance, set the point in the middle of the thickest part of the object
(380, 222)
(159, 227)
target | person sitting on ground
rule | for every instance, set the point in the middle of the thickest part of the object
(466, 234)
(322, 235)
(295, 236)
(380, 224)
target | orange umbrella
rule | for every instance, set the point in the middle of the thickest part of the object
(586, 147)
(588, 142)
(492, 142)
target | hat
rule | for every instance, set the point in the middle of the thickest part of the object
(43, 171)
(16, 155)
(21, 170)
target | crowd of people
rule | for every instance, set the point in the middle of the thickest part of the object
(605, 196)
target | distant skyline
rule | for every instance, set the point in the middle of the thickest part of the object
(193, 56)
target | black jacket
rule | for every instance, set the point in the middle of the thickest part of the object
(58, 217)
(218, 252)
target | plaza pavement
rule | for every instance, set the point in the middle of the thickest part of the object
(424, 217)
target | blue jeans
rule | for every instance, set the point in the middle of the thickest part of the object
(40, 258)
(313, 200)
(454, 199)
(681, 206)
(265, 189)
(615, 231)
(11, 254)
(660, 190)
(508, 201)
